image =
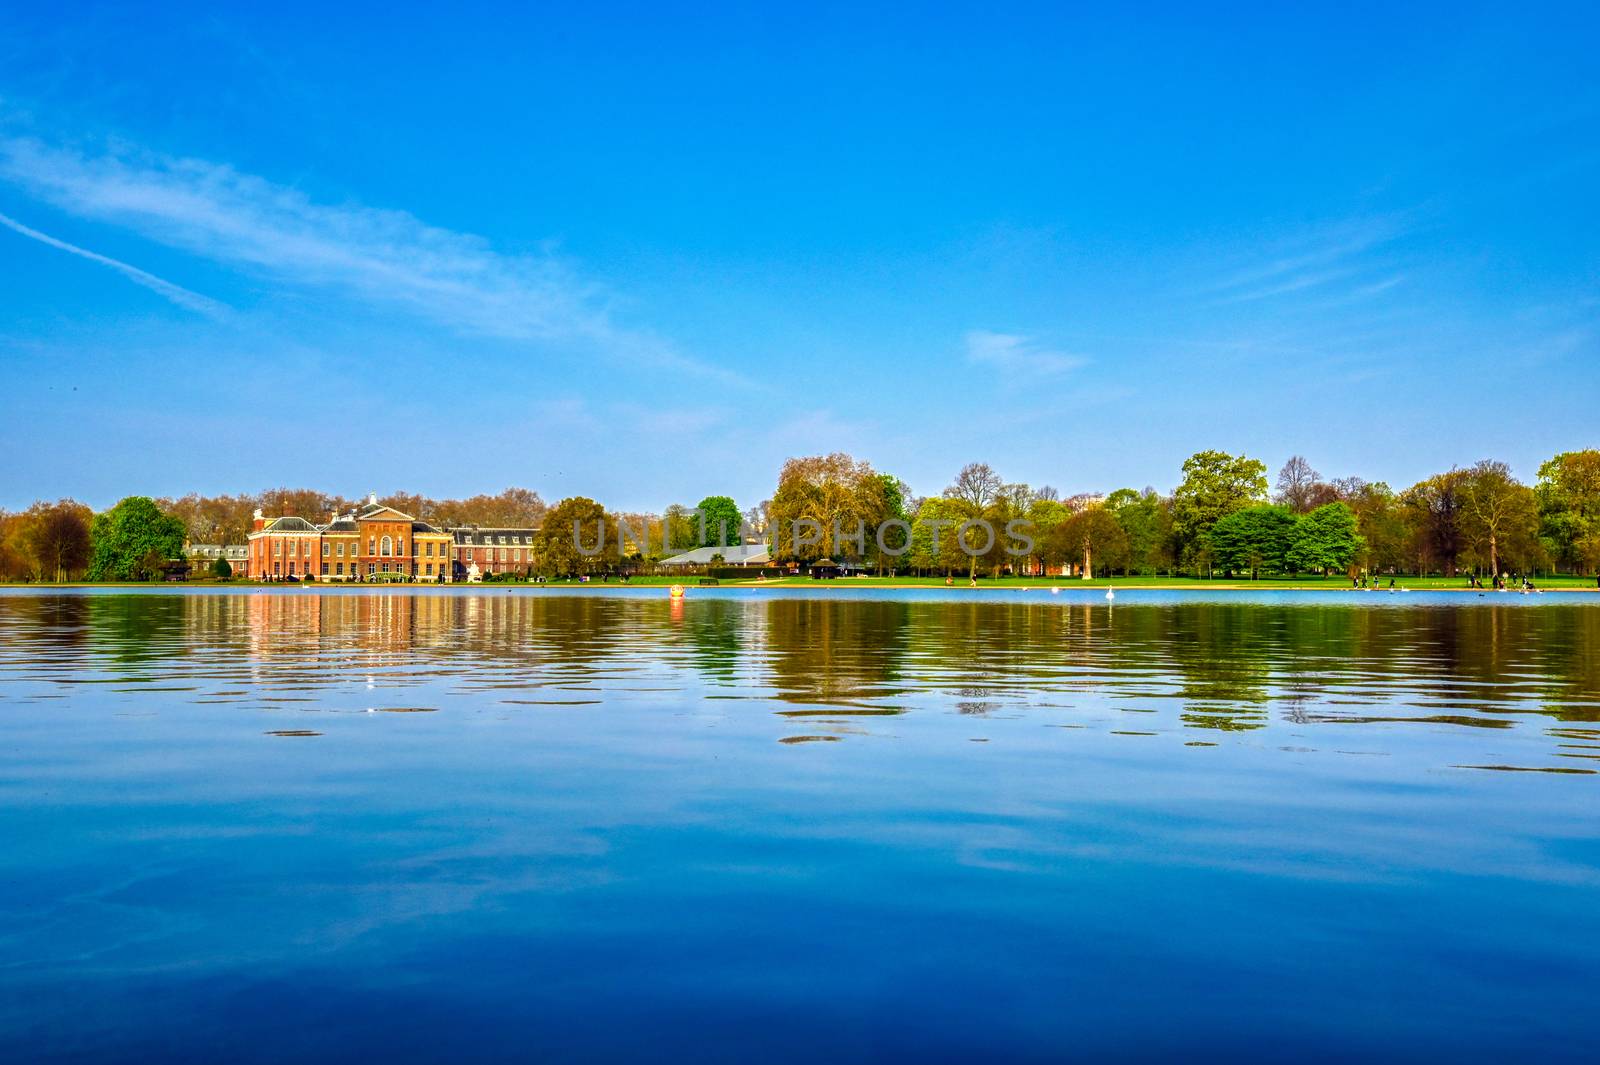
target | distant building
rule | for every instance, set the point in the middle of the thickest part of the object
(373, 543)
(203, 556)
(491, 550)
(732, 555)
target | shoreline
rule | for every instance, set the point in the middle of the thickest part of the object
(845, 583)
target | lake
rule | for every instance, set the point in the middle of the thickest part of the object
(780, 825)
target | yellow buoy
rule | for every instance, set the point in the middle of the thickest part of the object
(677, 591)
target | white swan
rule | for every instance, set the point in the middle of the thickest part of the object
(1111, 593)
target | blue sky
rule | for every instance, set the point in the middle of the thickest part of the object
(645, 255)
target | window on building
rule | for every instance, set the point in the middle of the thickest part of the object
(277, 548)
(291, 569)
(341, 548)
(372, 567)
(324, 569)
(372, 546)
(327, 549)
(429, 569)
(338, 569)
(386, 547)
(502, 554)
(400, 546)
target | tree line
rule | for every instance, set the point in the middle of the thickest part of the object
(1223, 518)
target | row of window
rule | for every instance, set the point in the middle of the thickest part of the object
(338, 569)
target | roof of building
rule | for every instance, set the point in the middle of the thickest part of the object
(424, 527)
(289, 524)
(732, 554)
(341, 525)
(373, 509)
(474, 536)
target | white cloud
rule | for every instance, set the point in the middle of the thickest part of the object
(1010, 352)
(380, 257)
(176, 293)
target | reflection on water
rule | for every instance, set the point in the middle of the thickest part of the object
(463, 824)
(1224, 666)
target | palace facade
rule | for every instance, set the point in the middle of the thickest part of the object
(378, 543)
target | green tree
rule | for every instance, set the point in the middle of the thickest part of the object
(56, 538)
(1499, 514)
(1215, 484)
(933, 536)
(719, 522)
(222, 570)
(1047, 514)
(1255, 538)
(1568, 494)
(1096, 535)
(886, 496)
(578, 537)
(131, 541)
(1324, 540)
(816, 496)
(1382, 523)
(1146, 520)
(679, 530)
(1432, 509)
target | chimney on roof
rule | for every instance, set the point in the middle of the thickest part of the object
(372, 499)
(258, 520)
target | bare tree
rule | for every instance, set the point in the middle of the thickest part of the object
(1047, 494)
(1297, 484)
(977, 485)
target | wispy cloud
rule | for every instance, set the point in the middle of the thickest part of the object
(176, 293)
(384, 258)
(1331, 257)
(1020, 354)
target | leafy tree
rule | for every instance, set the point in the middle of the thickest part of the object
(1324, 540)
(1498, 512)
(833, 491)
(222, 570)
(933, 536)
(886, 497)
(56, 538)
(1568, 493)
(1215, 484)
(679, 529)
(1096, 533)
(1381, 522)
(1047, 514)
(132, 539)
(1432, 509)
(1255, 538)
(1146, 520)
(719, 522)
(569, 524)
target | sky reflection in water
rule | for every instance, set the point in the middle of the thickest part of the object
(758, 823)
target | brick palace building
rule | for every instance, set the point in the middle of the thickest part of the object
(377, 543)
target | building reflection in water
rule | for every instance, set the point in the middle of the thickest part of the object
(1211, 666)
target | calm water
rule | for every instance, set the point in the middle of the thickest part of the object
(756, 825)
